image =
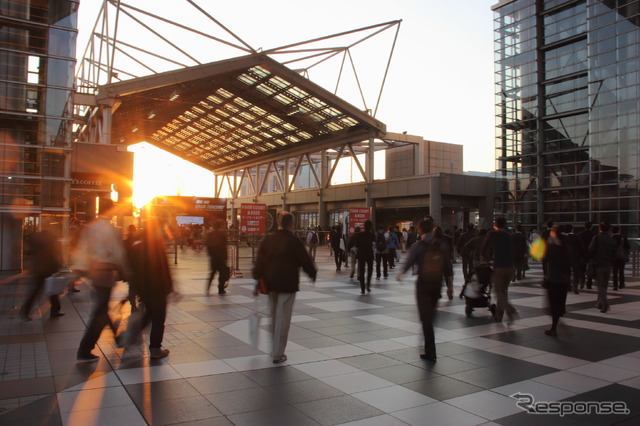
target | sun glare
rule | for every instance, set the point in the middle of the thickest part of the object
(156, 172)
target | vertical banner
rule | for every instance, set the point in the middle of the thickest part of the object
(253, 218)
(357, 217)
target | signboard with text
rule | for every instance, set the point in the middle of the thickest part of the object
(357, 217)
(253, 218)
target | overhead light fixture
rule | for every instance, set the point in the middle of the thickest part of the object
(174, 95)
(135, 128)
(151, 115)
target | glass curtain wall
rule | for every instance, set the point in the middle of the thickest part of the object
(37, 61)
(567, 111)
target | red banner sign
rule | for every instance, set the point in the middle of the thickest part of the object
(357, 217)
(253, 218)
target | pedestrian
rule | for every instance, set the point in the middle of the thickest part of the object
(576, 254)
(622, 257)
(392, 246)
(558, 279)
(217, 250)
(278, 263)
(335, 239)
(364, 244)
(47, 260)
(586, 237)
(313, 239)
(467, 260)
(499, 243)
(473, 246)
(520, 252)
(603, 250)
(353, 251)
(382, 252)
(405, 236)
(150, 269)
(101, 257)
(131, 240)
(432, 257)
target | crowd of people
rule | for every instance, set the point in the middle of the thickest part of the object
(571, 261)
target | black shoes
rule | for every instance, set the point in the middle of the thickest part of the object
(56, 314)
(428, 357)
(86, 357)
(280, 360)
(158, 353)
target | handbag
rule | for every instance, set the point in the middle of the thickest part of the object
(57, 283)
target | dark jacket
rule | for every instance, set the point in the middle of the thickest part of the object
(46, 253)
(279, 259)
(603, 249)
(472, 248)
(150, 269)
(500, 243)
(463, 240)
(557, 260)
(217, 246)
(586, 236)
(520, 248)
(364, 241)
(417, 257)
(576, 249)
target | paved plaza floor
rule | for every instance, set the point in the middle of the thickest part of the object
(352, 359)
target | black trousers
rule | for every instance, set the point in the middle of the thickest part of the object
(156, 314)
(382, 258)
(467, 266)
(99, 319)
(618, 274)
(221, 268)
(38, 285)
(427, 303)
(361, 263)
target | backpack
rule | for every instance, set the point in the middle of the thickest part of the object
(432, 267)
(381, 242)
(314, 238)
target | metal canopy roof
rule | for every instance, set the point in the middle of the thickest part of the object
(228, 115)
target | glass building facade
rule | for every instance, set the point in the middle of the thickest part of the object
(37, 62)
(568, 111)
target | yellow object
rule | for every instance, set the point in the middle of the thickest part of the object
(538, 249)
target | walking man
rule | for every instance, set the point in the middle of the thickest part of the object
(101, 257)
(500, 243)
(432, 257)
(217, 250)
(280, 257)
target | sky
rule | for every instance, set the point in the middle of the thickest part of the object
(440, 81)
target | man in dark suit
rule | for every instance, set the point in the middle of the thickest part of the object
(585, 237)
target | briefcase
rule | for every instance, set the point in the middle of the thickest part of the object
(57, 283)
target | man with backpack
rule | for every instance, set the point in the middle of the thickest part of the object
(313, 239)
(432, 258)
(382, 252)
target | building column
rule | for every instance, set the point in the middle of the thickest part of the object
(435, 199)
(485, 213)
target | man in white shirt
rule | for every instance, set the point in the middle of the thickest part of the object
(101, 257)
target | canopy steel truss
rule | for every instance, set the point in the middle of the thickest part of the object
(248, 118)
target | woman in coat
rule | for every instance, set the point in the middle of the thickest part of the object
(558, 278)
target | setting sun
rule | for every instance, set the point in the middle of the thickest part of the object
(156, 172)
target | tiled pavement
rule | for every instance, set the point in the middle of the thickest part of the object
(352, 359)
